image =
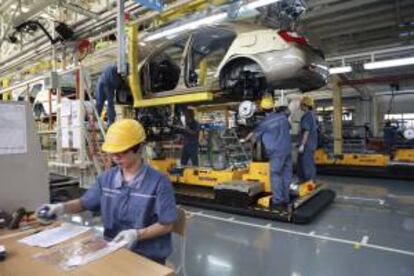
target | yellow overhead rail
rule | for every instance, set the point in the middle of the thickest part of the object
(178, 99)
(8, 95)
(133, 78)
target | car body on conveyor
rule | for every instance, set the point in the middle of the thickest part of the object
(235, 60)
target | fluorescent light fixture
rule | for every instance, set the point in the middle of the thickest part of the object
(188, 26)
(340, 70)
(257, 4)
(389, 63)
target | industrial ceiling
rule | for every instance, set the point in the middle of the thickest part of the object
(348, 31)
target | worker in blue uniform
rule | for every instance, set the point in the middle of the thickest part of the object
(390, 136)
(274, 133)
(190, 139)
(109, 82)
(136, 202)
(308, 141)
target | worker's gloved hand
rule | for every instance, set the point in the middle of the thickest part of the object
(242, 141)
(50, 211)
(301, 148)
(130, 236)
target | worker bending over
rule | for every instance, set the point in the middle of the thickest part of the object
(308, 141)
(136, 202)
(274, 133)
(109, 82)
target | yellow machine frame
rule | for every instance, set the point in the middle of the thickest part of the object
(134, 81)
(404, 155)
(352, 159)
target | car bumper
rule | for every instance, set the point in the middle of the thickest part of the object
(294, 68)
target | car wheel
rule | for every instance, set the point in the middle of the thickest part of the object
(243, 79)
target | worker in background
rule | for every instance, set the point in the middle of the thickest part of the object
(390, 136)
(274, 133)
(136, 202)
(190, 139)
(109, 82)
(308, 141)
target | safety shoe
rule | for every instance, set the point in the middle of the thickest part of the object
(281, 207)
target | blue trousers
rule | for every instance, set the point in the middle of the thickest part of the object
(280, 177)
(306, 167)
(105, 92)
(190, 152)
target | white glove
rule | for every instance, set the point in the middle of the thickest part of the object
(130, 236)
(301, 148)
(52, 209)
(242, 141)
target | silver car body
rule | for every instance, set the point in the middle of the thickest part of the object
(258, 50)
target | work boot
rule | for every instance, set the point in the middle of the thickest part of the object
(281, 207)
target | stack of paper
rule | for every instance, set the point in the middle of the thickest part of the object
(54, 236)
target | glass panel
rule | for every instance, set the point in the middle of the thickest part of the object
(207, 51)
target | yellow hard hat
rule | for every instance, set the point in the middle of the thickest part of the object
(307, 101)
(123, 135)
(267, 103)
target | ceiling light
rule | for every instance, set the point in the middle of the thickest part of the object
(188, 26)
(207, 20)
(340, 70)
(257, 4)
(389, 63)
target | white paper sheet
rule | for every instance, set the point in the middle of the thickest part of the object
(65, 137)
(76, 137)
(66, 107)
(54, 236)
(65, 121)
(75, 115)
(13, 129)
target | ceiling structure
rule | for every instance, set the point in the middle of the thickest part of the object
(348, 31)
(351, 26)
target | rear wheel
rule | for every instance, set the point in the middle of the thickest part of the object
(243, 79)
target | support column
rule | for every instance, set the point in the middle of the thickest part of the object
(337, 115)
(120, 25)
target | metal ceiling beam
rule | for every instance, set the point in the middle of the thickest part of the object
(78, 9)
(5, 7)
(346, 6)
(354, 26)
(362, 29)
(323, 21)
(33, 10)
(382, 79)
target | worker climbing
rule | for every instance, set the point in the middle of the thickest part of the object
(109, 82)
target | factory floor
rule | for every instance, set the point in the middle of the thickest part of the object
(369, 230)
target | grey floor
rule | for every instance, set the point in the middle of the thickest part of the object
(369, 230)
